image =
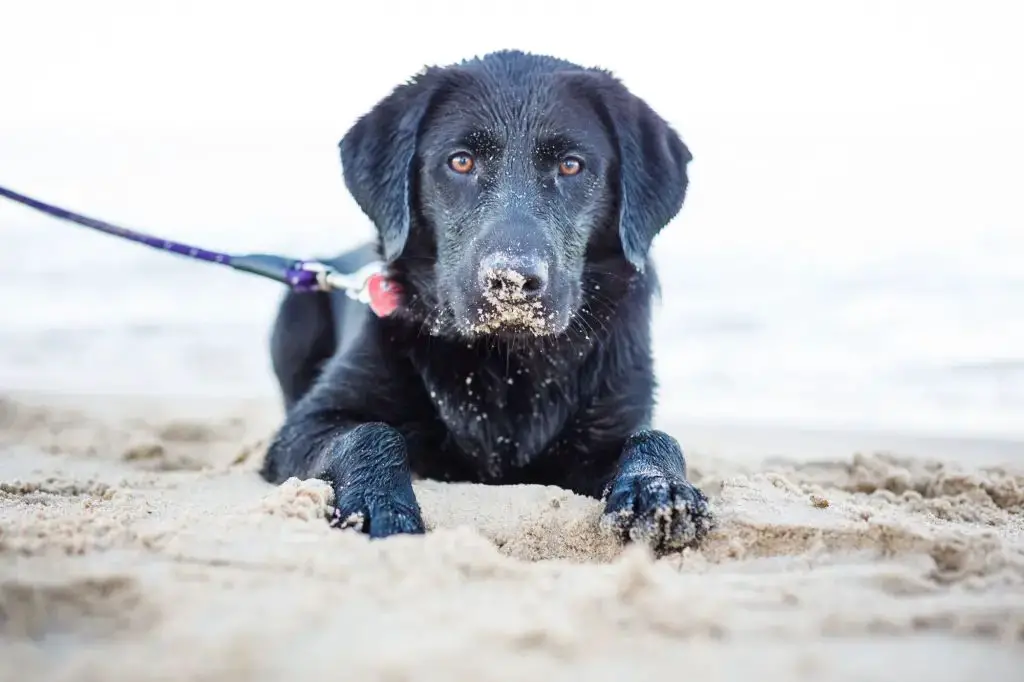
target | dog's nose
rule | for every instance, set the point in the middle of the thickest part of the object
(513, 277)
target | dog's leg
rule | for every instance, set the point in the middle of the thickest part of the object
(649, 498)
(302, 339)
(368, 468)
(341, 432)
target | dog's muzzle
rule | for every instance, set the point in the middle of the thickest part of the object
(511, 292)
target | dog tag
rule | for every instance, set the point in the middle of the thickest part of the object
(383, 294)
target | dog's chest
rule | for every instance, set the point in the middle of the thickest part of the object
(500, 415)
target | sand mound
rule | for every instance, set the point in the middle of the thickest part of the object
(183, 564)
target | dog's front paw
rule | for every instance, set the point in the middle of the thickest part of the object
(377, 513)
(668, 514)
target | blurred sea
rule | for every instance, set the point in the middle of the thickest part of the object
(841, 324)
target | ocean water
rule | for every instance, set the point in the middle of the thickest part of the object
(851, 253)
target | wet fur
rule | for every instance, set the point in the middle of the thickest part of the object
(371, 402)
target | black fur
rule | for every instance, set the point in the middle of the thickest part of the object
(521, 352)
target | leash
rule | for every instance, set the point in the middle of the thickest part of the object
(368, 285)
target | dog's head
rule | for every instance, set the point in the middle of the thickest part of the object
(498, 184)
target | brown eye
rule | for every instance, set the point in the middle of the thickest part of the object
(570, 165)
(461, 162)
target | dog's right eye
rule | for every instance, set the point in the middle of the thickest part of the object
(461, 162)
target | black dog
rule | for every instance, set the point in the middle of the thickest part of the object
(515, 197)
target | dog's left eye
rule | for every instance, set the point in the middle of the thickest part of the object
(570, 165)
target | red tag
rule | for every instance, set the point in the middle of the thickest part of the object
(384, 295)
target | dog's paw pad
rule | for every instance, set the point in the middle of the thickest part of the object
(668, 515)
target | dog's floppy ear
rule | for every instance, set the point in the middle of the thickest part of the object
(652, 164)
(377, 155)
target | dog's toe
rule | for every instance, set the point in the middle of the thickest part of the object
(378, 514)
(666, 514)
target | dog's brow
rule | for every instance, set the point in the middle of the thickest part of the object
(554, 144)
(481, 140)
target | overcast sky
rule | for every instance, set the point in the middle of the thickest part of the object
(181, 62)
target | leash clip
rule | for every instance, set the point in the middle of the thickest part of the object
(321, 274)
(355, 285)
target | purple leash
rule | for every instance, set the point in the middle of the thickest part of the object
(300, 275)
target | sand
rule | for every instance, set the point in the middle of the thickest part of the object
(138, 543)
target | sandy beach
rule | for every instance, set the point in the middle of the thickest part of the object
(138, 543)
(838, 348)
